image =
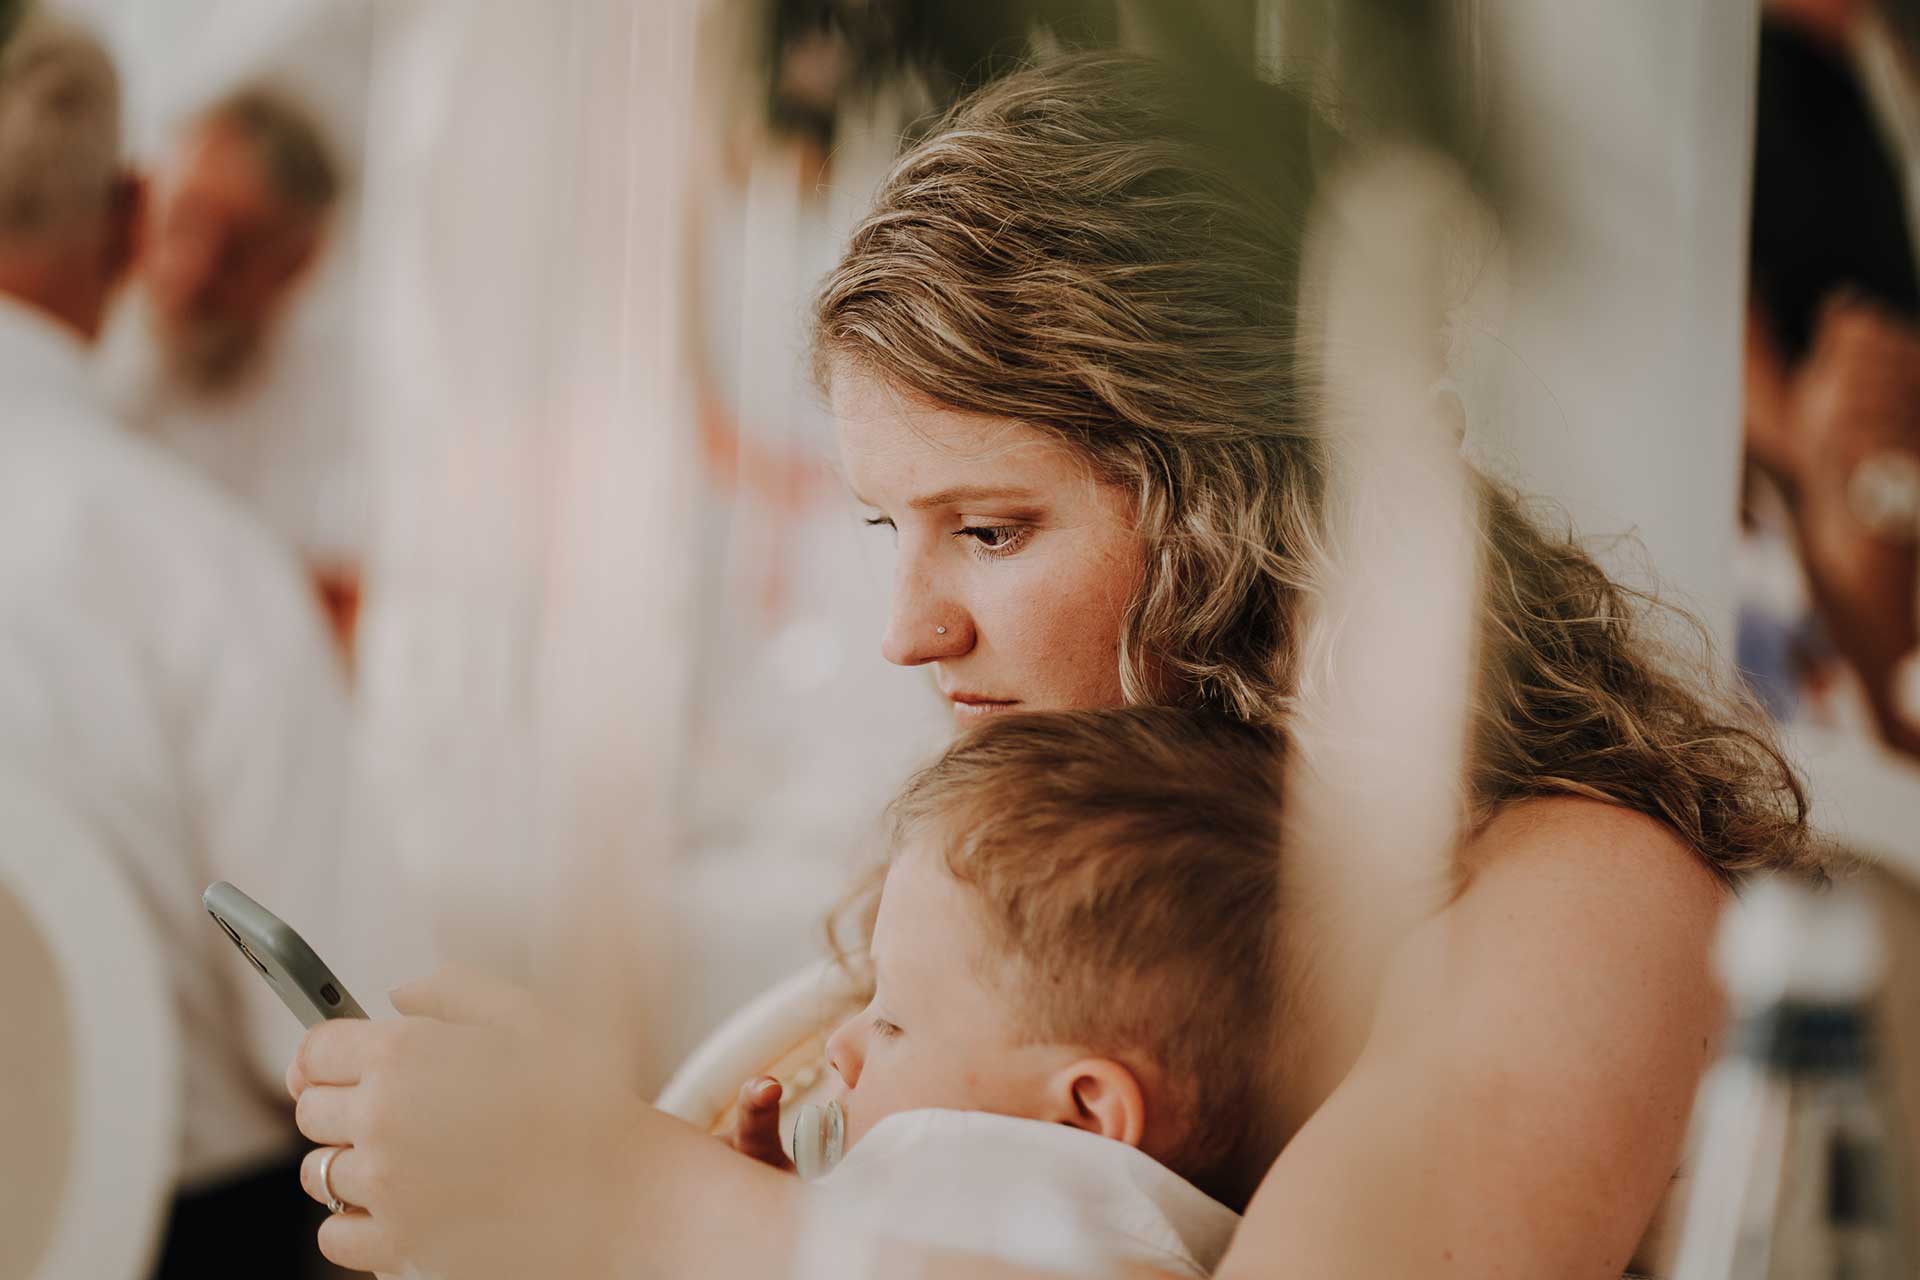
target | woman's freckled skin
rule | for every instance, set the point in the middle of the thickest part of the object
(1035, 622)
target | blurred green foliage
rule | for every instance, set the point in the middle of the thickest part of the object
(11, 11)
(1380, 67)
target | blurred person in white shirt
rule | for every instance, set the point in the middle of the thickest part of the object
(200, 357)
(163, 670)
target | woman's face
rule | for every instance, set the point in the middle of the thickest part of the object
(1014, 563)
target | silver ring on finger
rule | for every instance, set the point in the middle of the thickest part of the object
(334, 1203)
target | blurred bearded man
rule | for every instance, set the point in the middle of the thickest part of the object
(202, 357)
(238, 219)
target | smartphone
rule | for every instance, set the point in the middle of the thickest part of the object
(299, 977)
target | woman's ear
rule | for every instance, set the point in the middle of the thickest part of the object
(1100, 1096)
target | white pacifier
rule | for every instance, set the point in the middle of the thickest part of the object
(819, 1139)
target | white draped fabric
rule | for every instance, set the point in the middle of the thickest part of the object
(526, 626)
(568, 679)
(1608, 378)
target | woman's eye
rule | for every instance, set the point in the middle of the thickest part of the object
(878, 522)
(884, 1029)
(995, 539)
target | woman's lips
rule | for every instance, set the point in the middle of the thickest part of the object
(968, 707)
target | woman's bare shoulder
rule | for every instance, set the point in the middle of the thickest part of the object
(1603, 855)
(1596, 919)
(1522, 1099)
(1576, 905)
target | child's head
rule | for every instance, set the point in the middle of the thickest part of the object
(1079, 926)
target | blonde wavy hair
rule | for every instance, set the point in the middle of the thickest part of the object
(1096, 249)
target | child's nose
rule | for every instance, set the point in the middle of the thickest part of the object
(845, 1052)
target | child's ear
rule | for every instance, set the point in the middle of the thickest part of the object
(1100, 1096)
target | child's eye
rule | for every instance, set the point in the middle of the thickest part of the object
(886, 1030)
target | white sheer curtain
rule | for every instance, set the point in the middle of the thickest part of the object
(1596, 330)
(1608, 376)
(526, 622)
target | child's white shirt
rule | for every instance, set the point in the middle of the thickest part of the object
(1041, 1195)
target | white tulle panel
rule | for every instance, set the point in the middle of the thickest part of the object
(1603, 364)
(526, 626)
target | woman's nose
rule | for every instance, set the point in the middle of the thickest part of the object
(925, 623)
(845, 1053)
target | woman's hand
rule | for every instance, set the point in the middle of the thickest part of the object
(756, 1123)
(479, 1138)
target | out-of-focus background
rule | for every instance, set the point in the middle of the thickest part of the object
(466, 349)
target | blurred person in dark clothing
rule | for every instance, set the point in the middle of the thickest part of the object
(1833, 333)
(163, 671)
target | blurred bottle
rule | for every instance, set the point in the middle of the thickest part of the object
(1798, 1172)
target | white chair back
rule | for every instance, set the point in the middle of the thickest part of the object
(89, 1063)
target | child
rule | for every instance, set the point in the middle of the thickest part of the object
(1075, 978)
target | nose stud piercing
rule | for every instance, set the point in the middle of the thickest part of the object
(939, 631)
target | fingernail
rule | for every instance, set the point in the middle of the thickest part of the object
(767, 1083)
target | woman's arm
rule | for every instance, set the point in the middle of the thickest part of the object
(1518, 1109)
(1522, 1101)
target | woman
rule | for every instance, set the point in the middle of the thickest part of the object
(1061, 354)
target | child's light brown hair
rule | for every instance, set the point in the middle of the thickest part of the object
(1127, 861)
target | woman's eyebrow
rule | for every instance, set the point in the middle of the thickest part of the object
(961, 494)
